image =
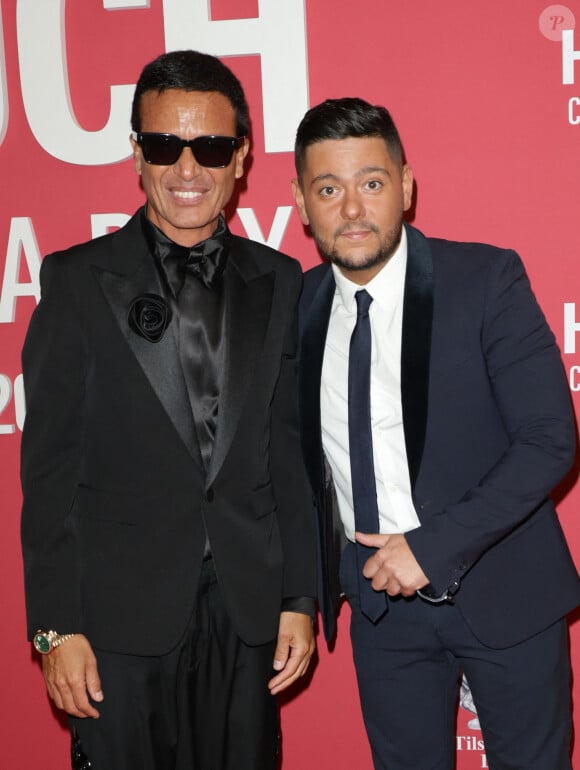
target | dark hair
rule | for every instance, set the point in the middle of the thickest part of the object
(191, 71)
(342, 119)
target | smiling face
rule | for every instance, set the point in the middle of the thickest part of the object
(186, 199)
(353, 196)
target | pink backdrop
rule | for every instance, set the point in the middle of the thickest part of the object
(487, 99)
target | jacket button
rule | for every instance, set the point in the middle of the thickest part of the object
(209, 495)
(462, 565)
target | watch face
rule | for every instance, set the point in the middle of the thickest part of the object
(41, 643)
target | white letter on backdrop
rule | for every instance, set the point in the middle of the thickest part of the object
(254, 231)
(278, 35)
(20, 240)
(3, 90)
(571, 327)
(569, 56)
(124, 5)
(45, 91)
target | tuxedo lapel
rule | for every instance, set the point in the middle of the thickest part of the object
(133, 274)
(248, 304)
(315, 320)
(315, 308)
(416, 346)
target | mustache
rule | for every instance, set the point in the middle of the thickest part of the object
(358, 226)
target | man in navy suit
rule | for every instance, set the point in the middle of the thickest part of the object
(469, 429)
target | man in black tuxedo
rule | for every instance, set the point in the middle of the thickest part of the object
(436, 421)
(169, 557)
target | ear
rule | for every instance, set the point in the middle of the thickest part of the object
(407, 178)
(241, 153)
(137, 156)
(299, 198)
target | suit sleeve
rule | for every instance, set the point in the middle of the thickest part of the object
(54, 363)
(291, 487)
(531, 394)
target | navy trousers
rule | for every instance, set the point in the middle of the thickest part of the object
(408, 668)
(203, 706)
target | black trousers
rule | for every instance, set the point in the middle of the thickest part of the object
(408, 666)
(203, 706)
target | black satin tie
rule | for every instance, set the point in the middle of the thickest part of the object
(195, 279)
(201, 334)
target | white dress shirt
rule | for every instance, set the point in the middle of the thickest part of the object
(396, 511)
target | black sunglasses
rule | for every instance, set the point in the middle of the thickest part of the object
(209, 151)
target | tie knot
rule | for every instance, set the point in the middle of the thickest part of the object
(193, 261)
(206, 262)
(363, 302)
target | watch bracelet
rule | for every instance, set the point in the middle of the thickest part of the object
(60, 639)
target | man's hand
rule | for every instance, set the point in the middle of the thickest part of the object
(393, 568)
(70, 673)
(294, 649)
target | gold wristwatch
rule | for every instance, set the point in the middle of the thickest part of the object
(46, 641)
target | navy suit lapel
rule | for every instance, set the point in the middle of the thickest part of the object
(132, 273)
(416, 346)
(248, 304)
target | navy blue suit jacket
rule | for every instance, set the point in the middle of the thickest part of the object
(489, 432)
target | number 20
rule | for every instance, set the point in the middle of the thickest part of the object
(6, 391)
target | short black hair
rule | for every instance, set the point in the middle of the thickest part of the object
(342, 119)
(191, 71)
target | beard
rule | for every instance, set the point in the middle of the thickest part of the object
(387, 247)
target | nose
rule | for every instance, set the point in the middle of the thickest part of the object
(186, 166)
(352, 205)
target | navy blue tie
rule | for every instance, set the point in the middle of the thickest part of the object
(364, 491)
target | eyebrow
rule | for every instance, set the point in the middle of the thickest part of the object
(361, 172)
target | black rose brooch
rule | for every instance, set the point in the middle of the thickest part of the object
(149, 316)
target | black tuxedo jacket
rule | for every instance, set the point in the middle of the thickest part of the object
(488, 430)
(115, 491)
